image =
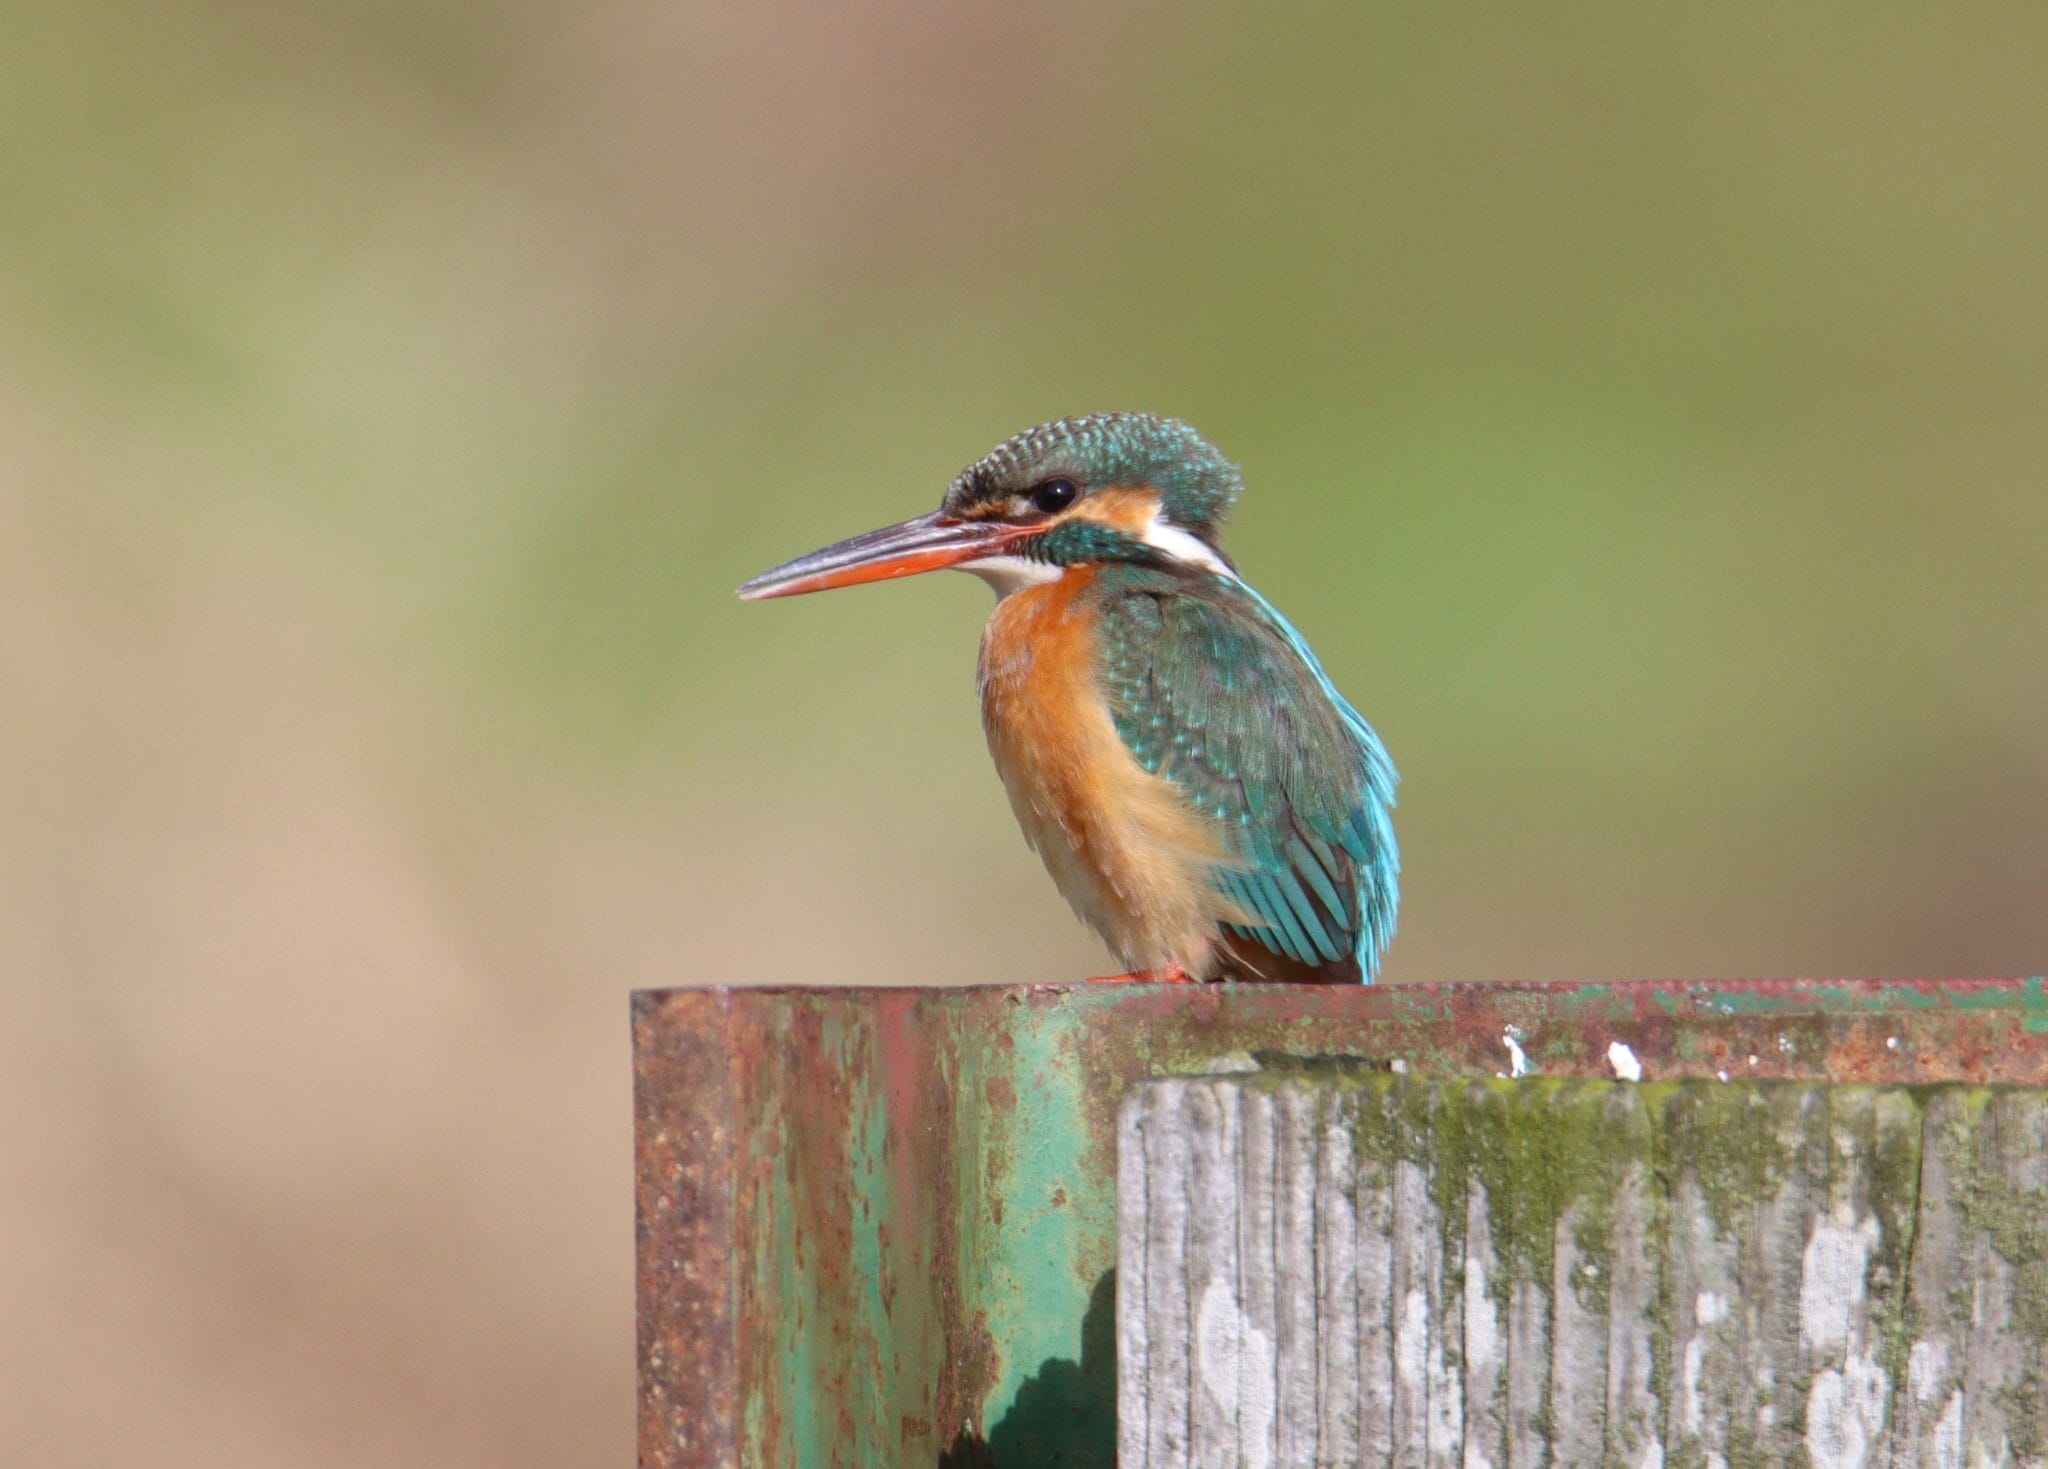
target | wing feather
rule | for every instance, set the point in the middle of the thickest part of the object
(1211, 688)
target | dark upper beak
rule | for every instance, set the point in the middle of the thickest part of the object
(928, 543)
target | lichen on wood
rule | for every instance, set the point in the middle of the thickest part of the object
(1540, 1271)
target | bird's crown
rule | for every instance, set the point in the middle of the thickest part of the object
(1195, 483)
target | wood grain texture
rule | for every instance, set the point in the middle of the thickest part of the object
(1354, 1268)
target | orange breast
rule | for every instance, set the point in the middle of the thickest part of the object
(1119, 842)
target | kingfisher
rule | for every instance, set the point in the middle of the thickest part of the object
(1200, 792)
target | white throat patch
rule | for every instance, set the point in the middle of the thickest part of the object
(1009, 574)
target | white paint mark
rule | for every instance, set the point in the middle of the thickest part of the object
(1928, 1379)
(1891, 1043)
(1948, 1435)
(1482, 1328)
(1784, 1045)
(1232, 1063)
(1518, 1061)
(1446, 1409)
(1691, 1405)
(1710, 1308)
(1845, 1407)
(1399, 1066)
(1236, 1363)
(1752, 1060)
(1411, 1343)
(1926, 1368)
(1624, 1062)
(1845, 1413)
(1720, 1076)
(1832, 1284)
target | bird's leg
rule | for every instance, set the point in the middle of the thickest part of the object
(1167, 973)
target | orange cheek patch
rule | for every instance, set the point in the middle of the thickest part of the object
(1128, 508)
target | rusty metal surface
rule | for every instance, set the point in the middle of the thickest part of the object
(683, 1125)
(878, 1226)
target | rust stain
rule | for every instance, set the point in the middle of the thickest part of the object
(897, 1052)
(965, 1349)
(965, 1380)
(684, 1232)
(957, 1352)
(820, 1154)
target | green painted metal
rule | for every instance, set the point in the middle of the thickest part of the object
(879, 1226)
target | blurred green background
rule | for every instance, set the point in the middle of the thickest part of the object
(1646, 417)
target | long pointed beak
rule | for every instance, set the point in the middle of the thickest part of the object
(928, 543)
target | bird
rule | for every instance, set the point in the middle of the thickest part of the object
(1198, 789)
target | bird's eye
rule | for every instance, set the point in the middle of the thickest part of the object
(1054, 495)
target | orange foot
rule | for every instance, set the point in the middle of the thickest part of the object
(1165, 974)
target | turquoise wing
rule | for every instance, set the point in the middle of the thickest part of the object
(1211, 688)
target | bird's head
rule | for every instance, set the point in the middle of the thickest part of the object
(1108, 487)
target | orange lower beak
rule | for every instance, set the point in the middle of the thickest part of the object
(928, 543)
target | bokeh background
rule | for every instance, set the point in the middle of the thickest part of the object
(1646, 415)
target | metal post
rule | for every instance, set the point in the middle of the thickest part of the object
(880, 1227)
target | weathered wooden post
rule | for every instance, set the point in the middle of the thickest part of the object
(1365, 1268)
(1381, 1226)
